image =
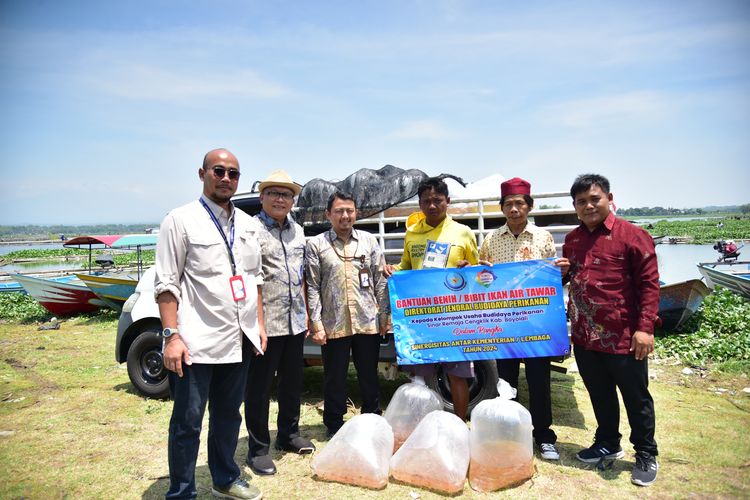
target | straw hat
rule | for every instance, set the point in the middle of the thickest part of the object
(282, 179)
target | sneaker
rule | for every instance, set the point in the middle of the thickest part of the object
(261, 465)
(644, 471)
(598, 452)
(548, 451)
(238, 489)
(297, 444)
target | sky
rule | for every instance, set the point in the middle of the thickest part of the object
(109, 107)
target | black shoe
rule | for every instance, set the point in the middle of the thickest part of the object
(297, 444)
(644, 472)
(331, 432)
(239, 489)
(598, 452)
(261, 465)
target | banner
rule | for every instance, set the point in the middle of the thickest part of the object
(513, 310)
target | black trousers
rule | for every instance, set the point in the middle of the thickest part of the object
(540, 399)
(283, 358)
(604, 373)
(365, 351)
(222, 387)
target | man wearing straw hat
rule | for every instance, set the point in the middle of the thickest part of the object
(285, 315)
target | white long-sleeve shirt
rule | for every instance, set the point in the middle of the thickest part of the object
(192, 263)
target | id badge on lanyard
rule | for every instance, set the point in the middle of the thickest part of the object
(236, 283)
(436, 254)
(238, 288)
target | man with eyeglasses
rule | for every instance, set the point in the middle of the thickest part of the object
(434, 240)
(346, 289)
(208, 287)
(282, 242)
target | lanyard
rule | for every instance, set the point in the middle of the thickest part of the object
(344, 257)
(229, 243)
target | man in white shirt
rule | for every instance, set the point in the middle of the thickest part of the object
(208, 277)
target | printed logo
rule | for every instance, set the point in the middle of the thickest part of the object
(454, 281)
(485, 277)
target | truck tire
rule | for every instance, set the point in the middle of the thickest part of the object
(146, 365)
(481, 387)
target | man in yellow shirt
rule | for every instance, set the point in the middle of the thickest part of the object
(434, 239)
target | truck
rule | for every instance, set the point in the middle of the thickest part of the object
(138, 341)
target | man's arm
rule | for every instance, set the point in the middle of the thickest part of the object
(645, 269)
(314, 307)
(171, 252)
(261, 323)
(377, 265)
(175, 350)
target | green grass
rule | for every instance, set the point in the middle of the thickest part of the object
(702, 230)
(73, 427)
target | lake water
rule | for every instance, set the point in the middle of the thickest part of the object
(678, 262)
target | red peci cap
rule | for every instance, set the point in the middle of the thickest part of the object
(516, 185)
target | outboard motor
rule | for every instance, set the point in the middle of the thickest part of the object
(727, 249)
(105, 260)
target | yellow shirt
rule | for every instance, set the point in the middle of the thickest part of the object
(462, 241)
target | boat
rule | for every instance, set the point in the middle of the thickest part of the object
(61, 299)
(113, 288)
(679, 301)
(11, 286)
(733, 275)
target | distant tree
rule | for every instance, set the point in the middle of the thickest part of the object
(745, 209)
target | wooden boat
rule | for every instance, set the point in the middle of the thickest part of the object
(61, 299)
(679, 301)
(11, 286)
(113, 288)
(732, 275)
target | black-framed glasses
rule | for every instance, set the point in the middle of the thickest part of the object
(279, 194)
(220, 172)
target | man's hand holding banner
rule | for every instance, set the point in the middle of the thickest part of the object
(513, 310)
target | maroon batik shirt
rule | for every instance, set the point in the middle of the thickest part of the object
(614, 284)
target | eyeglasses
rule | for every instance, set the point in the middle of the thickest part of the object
(278, 194)
(342, 211)
(220, 172)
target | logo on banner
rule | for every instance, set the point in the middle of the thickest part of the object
(454, 281)
(485, 277)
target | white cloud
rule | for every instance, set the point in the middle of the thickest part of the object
(424, 129)
(590, 112)
(154, 83)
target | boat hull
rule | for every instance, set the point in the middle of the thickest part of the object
(679, 301)
(112, 289)
(734, 276)
(61, 299)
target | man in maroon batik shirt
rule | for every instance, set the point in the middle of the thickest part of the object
(614, 299)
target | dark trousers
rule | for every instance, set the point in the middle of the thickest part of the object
(222, 387)
(603, 374)
(540, 400)
(283, 357)
(365, 351)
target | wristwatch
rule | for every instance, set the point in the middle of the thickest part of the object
(168, 332)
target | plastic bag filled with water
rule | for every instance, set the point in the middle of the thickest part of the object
(358, 454)
(436, 454)
(502, 446)
(409, 405)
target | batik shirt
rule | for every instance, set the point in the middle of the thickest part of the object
(614, 284)
(336, 300)
(284, 310)
(503, 246)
